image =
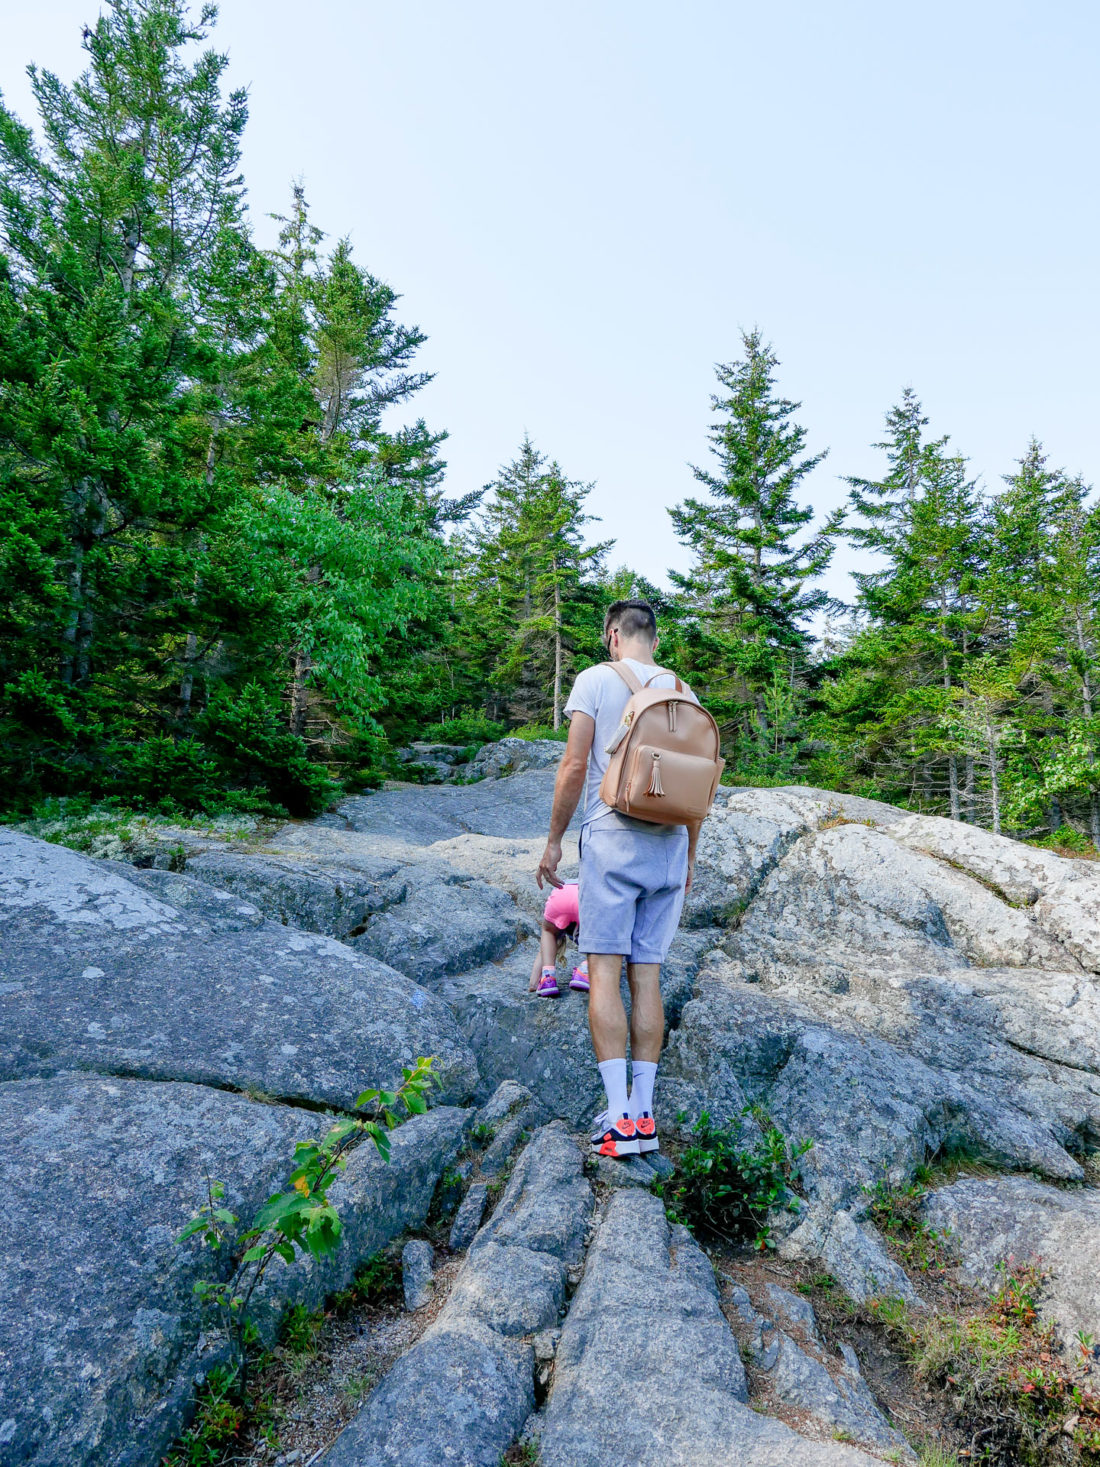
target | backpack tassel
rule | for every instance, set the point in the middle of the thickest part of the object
(655, 778)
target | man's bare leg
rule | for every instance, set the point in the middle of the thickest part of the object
(647, 1032)
(606, 1015)
(607, 1021)
(647, 1012)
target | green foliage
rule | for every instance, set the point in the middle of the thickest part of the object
(219, 1417)
(724, 1188)
(895, 1211)
(541, 731)
(302, 1220)
(1009, 1383)
(229, 580)
(738, 631)
(204, 526)
(299, 1329)
(531, 613)
(467, 727)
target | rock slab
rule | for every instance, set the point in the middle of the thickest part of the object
(159, 975)
(101, 1336)
(461, 1394)
(994, 1219)
(645, 1331)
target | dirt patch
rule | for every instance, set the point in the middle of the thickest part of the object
(303, 1393)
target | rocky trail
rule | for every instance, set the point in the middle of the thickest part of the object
(894, 987)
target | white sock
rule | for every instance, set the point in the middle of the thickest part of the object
(641, 1091)
(613, 1075)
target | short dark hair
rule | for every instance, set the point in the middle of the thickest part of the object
(633, 618)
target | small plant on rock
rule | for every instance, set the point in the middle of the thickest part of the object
(727, 1189)
(302, 1219)
(1011, 1385)
(895, 1211)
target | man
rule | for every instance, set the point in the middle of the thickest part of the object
(634, 875)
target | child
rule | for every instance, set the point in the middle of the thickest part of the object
(559, 920)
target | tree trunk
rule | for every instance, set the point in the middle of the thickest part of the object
(191, 646)
(72, 620)
(968, 790)
(952, 762)
(187, 681)
(89, 520)
(1086, 704)
(994, 779)
(299, 695)
(557, 651)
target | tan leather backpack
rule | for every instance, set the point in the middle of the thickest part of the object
(665, 765)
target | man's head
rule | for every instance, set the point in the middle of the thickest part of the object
(629, 627)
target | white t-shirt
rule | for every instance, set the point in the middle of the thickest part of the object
(601, 693)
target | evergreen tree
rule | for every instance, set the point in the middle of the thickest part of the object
(530, 608)
(750, 591)
(122, 234)
(198, 491)
(923, 520)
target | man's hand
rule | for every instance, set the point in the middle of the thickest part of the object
(691, 873)
(548, 866)
(567, 791)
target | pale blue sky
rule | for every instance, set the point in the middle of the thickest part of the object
(583, 203)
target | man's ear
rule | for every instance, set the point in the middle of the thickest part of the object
(656, 642)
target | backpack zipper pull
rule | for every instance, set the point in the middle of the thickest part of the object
(655, 777)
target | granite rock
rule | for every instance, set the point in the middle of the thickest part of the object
(155, 974)
(645, 1326)
(468, 1382)
(996, 1219)
(417, 1267)
(101, 1336)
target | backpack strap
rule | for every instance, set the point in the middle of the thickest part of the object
(635, 684)
(664, 672)
(632, 681)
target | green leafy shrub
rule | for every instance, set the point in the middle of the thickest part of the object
(532, 731)
(726, 1189)
(300, 1328)
(1067, 841)
(246, 734)
(219, 1417)
(896, 1212)
(1011, 1385)
(302, 1220)
(377, 1281)
(177, 771)
(467, 728)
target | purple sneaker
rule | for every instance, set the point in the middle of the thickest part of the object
(579, 980)
(548, 986)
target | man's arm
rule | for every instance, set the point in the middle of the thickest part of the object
(693, 840)
(567, 792)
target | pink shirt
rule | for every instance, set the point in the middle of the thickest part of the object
(562, 910)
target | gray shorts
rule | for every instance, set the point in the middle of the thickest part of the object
(631, 888)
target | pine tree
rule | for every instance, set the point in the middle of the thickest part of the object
(923, 519)
(750, 590)
(195, 479)
(529, 606)
(122, 234)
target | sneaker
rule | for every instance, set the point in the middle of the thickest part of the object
(579, 980)
(646, 1128)
(616, 1140)
(548, 986)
